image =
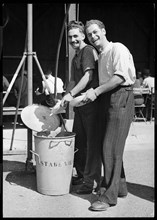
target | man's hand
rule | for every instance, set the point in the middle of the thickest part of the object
(37, 92)
(67, 98)
(90, 95)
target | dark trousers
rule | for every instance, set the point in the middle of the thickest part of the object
(87, 159)
(116, 112)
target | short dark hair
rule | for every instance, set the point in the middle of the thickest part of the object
(146, 72)
(48, 72)
(76, 24)
(94, 21)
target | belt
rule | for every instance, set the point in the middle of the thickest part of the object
(127, 87)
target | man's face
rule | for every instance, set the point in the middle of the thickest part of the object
(75, 38)
(95, 35)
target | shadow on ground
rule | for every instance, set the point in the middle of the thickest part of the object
(142, 191)
(22, 178)
(18, 175)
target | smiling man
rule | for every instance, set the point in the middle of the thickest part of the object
(116, 78)
(84, 76)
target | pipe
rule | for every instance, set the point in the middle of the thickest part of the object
(19, 97)
(58, 50)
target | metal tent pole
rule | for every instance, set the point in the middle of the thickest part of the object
(77, 12)
(29, 162)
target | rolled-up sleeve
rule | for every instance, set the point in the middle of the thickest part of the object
(89, 59)
(123, 64)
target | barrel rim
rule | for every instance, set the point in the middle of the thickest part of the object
(72, 134)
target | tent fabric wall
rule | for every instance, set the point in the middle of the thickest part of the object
(47, 23)
(131, 24)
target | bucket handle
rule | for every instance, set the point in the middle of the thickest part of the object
(51, 145)
(35, 154)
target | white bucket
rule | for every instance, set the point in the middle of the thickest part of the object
(54, 163)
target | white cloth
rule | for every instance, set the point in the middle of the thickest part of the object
(51, 83)
(149, 82)
(116, 59)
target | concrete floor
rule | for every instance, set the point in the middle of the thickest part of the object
(21, 198)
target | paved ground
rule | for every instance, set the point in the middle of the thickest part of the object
(21, 198)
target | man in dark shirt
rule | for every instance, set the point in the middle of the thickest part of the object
(84, 76)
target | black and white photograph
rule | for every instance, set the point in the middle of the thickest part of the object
(78, 109)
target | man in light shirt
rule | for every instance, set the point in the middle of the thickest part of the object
(48, 88)
(148, 81)
(51, 83)
(116, 78)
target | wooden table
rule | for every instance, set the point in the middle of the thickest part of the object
(141, 90)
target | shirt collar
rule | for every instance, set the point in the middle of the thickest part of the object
(107, 48)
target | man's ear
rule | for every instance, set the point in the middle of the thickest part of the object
(83, 36)
(104, 31)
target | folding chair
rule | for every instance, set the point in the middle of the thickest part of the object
(152, 104)
(139, 103)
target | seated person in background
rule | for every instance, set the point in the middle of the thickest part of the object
(138, 97)
(148, 81)
(5, 87)
(50, 80)
(139, 79)
(24, 91)
(5, 83)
